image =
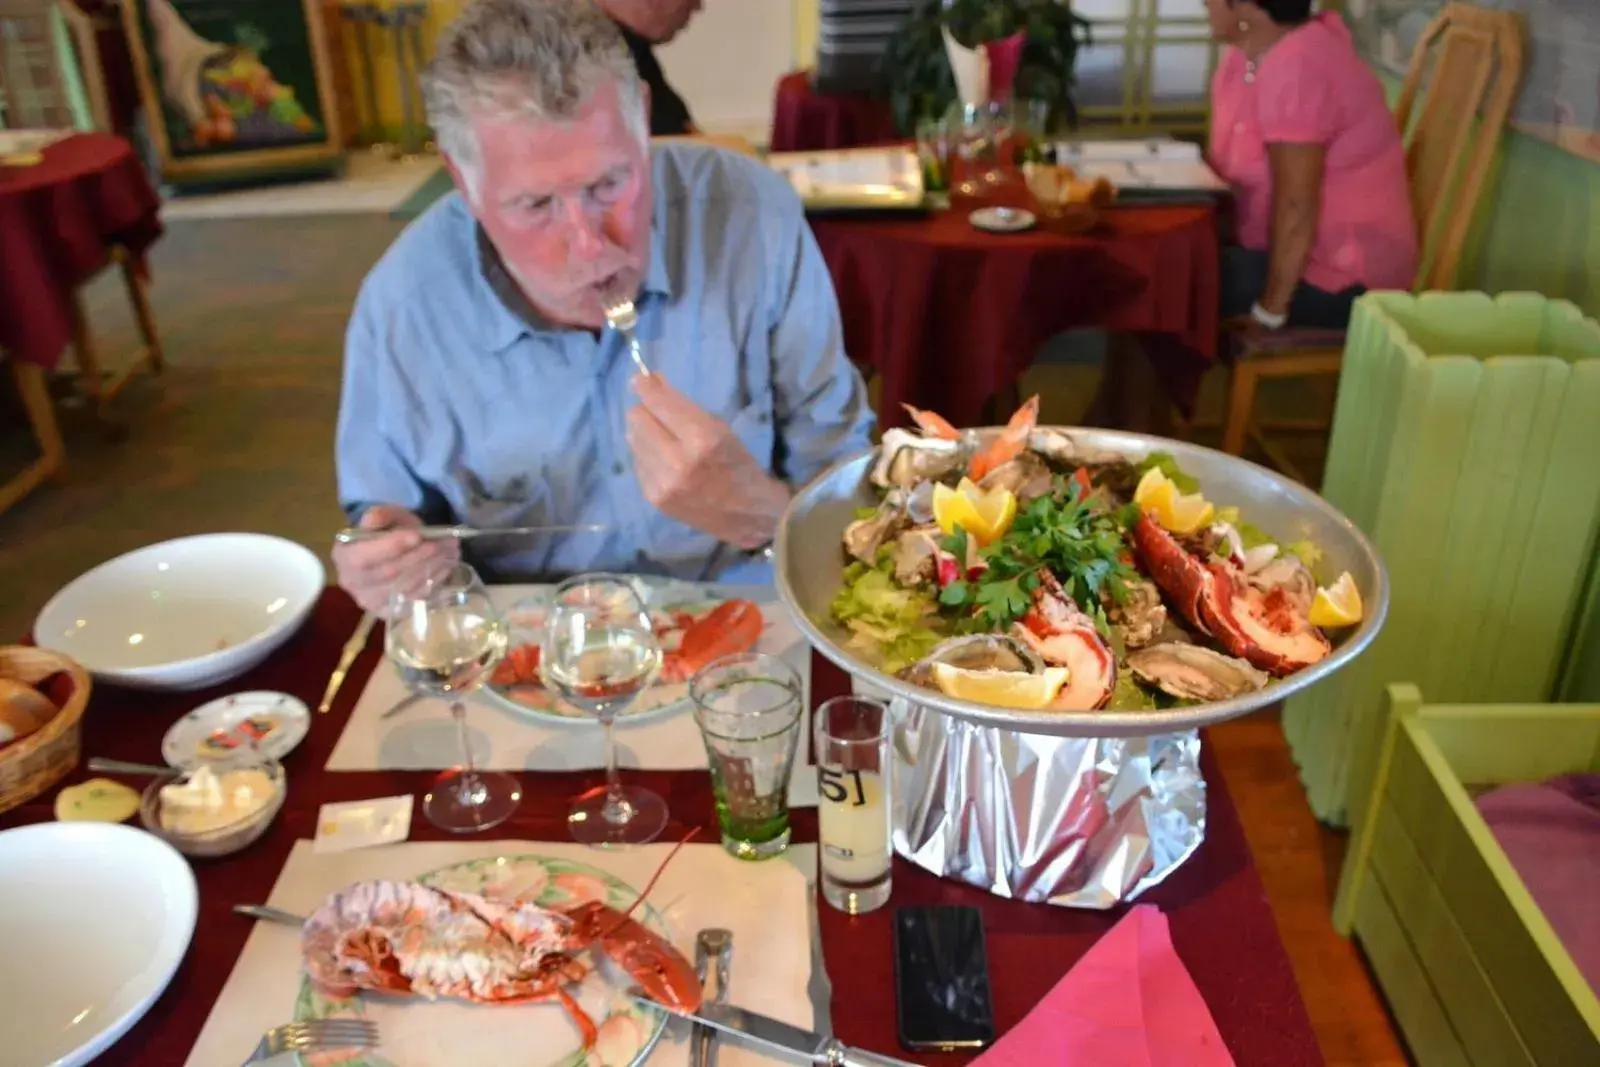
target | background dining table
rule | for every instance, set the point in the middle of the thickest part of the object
(1221, 924)
(59, 221)
(948, 316)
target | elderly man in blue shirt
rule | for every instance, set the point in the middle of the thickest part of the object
(481, 384)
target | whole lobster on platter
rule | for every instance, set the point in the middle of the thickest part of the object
(410, 939)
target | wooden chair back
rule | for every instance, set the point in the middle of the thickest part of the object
(85, 42)
(32, 87)
(1472, 60)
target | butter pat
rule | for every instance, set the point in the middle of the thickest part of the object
(209, 801)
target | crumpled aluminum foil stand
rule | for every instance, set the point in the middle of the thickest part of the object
(1082, 822)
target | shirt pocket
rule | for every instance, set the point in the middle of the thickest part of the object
(497, 498)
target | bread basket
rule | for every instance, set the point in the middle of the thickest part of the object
(34, 763)
(1065, 202)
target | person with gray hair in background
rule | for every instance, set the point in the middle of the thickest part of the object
(481, 383)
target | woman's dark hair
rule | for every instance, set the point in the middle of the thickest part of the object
(1286, 12)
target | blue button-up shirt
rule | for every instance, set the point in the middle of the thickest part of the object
(459, 403)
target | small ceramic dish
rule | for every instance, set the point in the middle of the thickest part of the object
(224, 839)
(1002, 219)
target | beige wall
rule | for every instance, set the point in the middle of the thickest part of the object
(725, 64)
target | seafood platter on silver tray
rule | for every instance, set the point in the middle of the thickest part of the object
(1052, 614)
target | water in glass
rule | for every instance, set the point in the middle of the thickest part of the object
(748, 707)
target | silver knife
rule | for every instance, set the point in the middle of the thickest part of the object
(461, 533)
(271, 915)
(776, 1034)
(713, 952)
(352, 649)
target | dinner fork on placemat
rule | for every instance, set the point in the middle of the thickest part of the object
(315, 1035)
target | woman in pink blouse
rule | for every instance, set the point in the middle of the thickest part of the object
(1301, 131)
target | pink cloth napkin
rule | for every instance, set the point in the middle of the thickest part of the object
(1005, 56)
(1128, 1002)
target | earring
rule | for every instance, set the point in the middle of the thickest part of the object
(1244, 27)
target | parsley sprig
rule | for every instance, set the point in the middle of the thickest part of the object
(1060, 532)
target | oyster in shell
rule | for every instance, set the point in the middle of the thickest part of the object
(1288, 574)
(1193, 672)
(1064, 451)
(977, 652)
(916, 556)
(1026, 477)
(1141, 617)
(919, 503)
(905, 458)
(864, 537)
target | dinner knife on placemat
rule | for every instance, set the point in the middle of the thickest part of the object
(776, 1034)
(352, 649)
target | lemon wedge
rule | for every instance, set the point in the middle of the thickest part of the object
(1188, 514)
(985, 516)
(1005, 689)
(1181, 513)
(1153, 488)
(1337, 605)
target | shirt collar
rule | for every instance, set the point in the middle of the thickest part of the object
(517, 317)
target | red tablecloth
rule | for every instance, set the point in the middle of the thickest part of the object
(948, 315)
(58, 222)
(804, 120)
(1221, 924)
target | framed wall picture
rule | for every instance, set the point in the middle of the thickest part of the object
(234, 86)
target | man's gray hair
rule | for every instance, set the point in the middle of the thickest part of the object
(539, 59)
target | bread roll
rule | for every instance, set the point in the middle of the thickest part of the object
(23, 709)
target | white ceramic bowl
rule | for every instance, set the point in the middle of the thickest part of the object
(95, 919)
(184, 614)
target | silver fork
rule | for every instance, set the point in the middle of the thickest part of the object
(623, 317)
(315, 1035)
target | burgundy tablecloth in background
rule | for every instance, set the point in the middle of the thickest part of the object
(948, 315)
(804, 120)
(1221, 924)
(58, 222)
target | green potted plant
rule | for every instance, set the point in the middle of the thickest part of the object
(917, 70)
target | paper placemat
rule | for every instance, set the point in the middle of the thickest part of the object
(769, 907)
(423, 737)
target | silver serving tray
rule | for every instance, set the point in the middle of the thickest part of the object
(810, 559)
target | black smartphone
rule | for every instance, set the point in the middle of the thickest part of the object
(941, 979)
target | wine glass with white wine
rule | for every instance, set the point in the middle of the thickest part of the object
(445, 638)
(600, 652)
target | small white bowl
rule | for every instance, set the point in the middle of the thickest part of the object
(222, 840)
(184, 614)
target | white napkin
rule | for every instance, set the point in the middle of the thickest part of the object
(971, 69)
(423, 736)
(768, 906)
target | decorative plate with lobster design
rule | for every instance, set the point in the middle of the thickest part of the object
(423, 1034)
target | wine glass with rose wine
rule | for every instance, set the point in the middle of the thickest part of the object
(445, 638)
(600, 652)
